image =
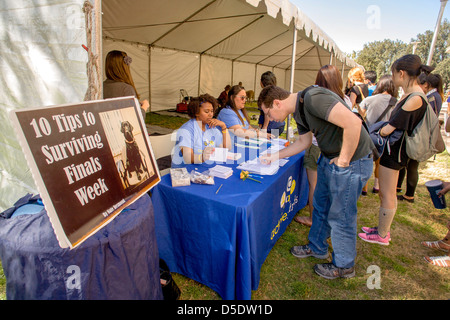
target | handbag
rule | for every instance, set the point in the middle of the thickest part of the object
(169, 287)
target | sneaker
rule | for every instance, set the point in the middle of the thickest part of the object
(330, 271)
(375, 238)
(305, 252)
(372, 230)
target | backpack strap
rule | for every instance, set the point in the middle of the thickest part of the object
(391, 103)
(360, 90)
(301, 105)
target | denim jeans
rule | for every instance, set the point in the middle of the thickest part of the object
(335, 197)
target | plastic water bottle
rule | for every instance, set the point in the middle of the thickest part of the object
(291, 137)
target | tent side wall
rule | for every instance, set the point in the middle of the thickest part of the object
(42, 63)
(172, 70)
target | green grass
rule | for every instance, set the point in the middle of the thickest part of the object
(404, 273)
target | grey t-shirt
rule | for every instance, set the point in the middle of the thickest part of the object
(375, 106)
(318, 103)
(116, 89)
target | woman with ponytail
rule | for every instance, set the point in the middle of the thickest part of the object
(434, 91)
(405, 117)
(431, 84)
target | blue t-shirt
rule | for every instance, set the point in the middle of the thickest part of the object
(230, 118)
(190, 135)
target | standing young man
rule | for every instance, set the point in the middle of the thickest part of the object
(343, 169)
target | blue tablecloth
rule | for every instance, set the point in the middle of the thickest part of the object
(120, 261)
(221, 240)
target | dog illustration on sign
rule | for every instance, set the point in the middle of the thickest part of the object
(134, 161)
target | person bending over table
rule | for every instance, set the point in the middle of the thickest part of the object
(197, 138)
(343, 169)
(235, 116)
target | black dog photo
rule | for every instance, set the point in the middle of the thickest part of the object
(127, 144)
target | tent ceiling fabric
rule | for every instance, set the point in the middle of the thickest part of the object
(226, 41)
(249, 31)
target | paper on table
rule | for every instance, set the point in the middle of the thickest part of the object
(255, 166)
(219, 155)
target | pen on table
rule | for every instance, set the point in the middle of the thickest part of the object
(256, 176)
(219, 188)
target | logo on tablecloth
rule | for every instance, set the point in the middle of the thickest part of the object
(287, 203)
(286, 196)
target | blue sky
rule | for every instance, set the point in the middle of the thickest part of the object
(352, 23)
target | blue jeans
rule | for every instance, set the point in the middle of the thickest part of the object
(335, 197)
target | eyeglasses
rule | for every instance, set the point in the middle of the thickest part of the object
(243, 98)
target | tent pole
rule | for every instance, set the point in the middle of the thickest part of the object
(149, 77)
(255, 80)
(291, 85)
(199, 74)
(232, 73)
(98, 40)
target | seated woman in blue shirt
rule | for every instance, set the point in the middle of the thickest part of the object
(197, 138)
(235, 116)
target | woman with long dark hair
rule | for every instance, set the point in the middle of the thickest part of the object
(236, 118)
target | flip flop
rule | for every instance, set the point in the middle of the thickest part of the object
(443, 261)
(440, 245)
(402, 198)
(303, 220)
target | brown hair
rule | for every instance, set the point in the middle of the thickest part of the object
(195, 103)
(385, 84)
(330, 78)
(435, 81)
(117, 68)
(268, 78)
(234, 91)
(270, 93)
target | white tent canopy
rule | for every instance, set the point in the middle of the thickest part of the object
(196, 45)
(203, 45)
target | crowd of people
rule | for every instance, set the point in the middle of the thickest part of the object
(339, 152)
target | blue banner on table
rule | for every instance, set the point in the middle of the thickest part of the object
(222, 239)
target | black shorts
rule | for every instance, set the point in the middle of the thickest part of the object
(391, 159)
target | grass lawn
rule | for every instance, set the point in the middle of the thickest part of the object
(404, 274)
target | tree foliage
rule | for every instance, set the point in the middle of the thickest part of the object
(379, 55)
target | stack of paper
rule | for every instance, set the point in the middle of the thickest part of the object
(221, 171)
(255, 166)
